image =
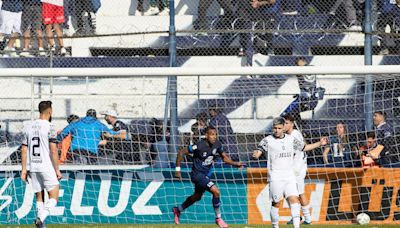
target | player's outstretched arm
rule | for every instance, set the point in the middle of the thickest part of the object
(229, 161)
(179, 159)
(54, 159)
(24, 172)
(322, 142)
(257, 154)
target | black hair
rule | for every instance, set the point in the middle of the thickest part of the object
(92, 113)
(72, 118)
(44, 105)
(288, 117)
(381, 113)
(209, 128)
(371, 134)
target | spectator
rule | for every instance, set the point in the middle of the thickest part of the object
(158, 144)
(86, 136)
(11, 12)
(121, 148)
(340, 146)
(256, 15)
(390, 15)
(66, 143)
(309, 94)
(157, 7)
(201, 22)
(198, 128)
(369, 153)
(53, 16)
(384, 137)
(86, 10)
(351, 14)
(224, 131)
(32, 20)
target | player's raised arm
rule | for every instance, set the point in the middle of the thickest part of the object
(179, 158)
(228, 160)
(322, 142)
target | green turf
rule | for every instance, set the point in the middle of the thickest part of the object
(200, 226)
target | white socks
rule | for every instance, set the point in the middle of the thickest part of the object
(295, 212)
(48, 206)
(39, 207)
(306, 213)
(274, 216)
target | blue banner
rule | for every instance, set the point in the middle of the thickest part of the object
(124, 196)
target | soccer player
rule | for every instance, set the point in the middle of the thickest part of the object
(280, 149)
(40, 161)
(205, 152)
(300, 168)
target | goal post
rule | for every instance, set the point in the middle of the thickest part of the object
(133, 180)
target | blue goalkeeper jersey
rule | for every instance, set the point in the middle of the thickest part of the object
(204, 155)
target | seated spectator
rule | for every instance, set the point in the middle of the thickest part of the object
(390, 15)
(11, 12)
(86, 137)
(66, 143)
(369, 153)
(32, 20)
(256, 15)
(198, 128)
(338, 153)
(224, 131)
(385, 137)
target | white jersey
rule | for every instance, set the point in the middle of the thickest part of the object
(280, 155)
(300, 158)
(37, 137)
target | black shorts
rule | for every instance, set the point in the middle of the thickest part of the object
(201, 182)
(31, 18)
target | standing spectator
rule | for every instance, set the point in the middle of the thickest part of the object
(11, 12)
(351, 14)
(66, 143)
(369, 153)
(32, 20)
(224, 131)
(86, 136)
(85, 10)
(121, 148)
(256, 15)
(384, 137)
(340, 148)
(198, 128)
(158, 144)
(53, 16)
(390, 15)
(201, 22)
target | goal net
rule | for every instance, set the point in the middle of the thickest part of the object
(132, 180)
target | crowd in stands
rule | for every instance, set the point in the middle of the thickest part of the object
(21, 18)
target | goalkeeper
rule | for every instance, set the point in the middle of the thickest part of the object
(204, 153)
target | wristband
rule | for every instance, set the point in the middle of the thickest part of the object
(178, 168)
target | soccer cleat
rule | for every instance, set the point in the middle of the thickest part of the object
(38, 223)
(307, 223)
(290, 222)
(221, 223)
(177, 214)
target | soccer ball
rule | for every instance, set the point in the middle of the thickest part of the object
(363, 219)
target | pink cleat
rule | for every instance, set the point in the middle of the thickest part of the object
(177, 214)
(221, 223)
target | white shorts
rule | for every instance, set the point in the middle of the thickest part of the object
(43, 180)
(11, 22)
(300, 181)
(280, 188)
